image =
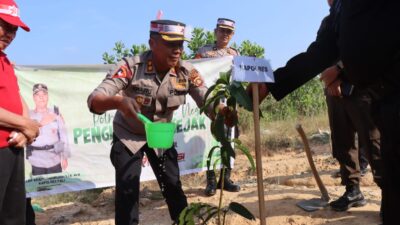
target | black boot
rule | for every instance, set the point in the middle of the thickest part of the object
(351, 198)
(211, 183)
(228, 183)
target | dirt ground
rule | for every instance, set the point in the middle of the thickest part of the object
(287, 180)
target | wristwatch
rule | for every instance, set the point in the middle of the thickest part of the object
(339, 66)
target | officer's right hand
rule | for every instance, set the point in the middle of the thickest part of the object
(30, 129)
(329, 75)
(129, 107)
(263, 91)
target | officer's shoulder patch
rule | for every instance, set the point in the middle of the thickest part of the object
(195, 78)
(123, 72)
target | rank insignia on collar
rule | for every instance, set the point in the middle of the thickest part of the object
(123, 72)
(195, 78)
(149, 67)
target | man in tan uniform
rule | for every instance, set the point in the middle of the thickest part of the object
(223, 33)
(155, 84)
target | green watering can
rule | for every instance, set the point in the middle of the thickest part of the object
(158, 135)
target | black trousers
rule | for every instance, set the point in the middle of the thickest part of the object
(349, 115)
(390, 117)
(12, 186)
(128, 167)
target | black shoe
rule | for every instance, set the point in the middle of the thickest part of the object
(211, 183)
(228, 183)
(351, 198)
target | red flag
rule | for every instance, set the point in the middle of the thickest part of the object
(160, 14)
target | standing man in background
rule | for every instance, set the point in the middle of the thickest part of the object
(16, 129)
(223, 33)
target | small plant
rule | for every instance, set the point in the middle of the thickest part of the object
(234, 94)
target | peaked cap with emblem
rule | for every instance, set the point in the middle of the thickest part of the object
(226, 23)
(169, 30)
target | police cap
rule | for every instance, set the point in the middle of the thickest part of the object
(226, 23)
(168, 29)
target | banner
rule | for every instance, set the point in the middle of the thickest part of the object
(72, 151)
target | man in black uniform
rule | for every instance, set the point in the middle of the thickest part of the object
(365, 35)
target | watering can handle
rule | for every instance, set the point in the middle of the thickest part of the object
(143, 118)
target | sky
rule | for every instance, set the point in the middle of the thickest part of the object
(65, 32)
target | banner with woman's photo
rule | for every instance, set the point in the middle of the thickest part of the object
(72, 151)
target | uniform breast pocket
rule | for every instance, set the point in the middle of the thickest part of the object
(175, 101)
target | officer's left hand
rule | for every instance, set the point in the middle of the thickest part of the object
(231, 116)
(17, 139)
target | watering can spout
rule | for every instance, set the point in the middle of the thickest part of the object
(143, 118)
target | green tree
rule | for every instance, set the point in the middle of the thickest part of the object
(199, 39)
(120, 51)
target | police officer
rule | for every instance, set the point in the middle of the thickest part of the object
(16, 129)
(50, 151)
(155, 84)
(223, 32)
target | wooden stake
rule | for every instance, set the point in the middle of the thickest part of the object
(260, 185)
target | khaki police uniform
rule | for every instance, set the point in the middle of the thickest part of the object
(211, 51)
(137, 78)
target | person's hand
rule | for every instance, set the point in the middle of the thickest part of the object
(231, 116)
(30, 130)
(129, 107)
(262, 91)
(329, 75)
(334, 88)
(64, 164)
(17, 139)
(48, 118)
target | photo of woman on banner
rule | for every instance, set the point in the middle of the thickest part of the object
(50, 151)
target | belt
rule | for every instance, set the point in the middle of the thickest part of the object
(45, 147)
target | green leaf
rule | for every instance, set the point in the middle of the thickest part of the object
(217, 97)
(227, 146)
(209, 157)
(246, 151)
(183, 214)
(241, 96)
(225, 158)
(241, 210)
(231, 102)
(217, 161)
(211, 214)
